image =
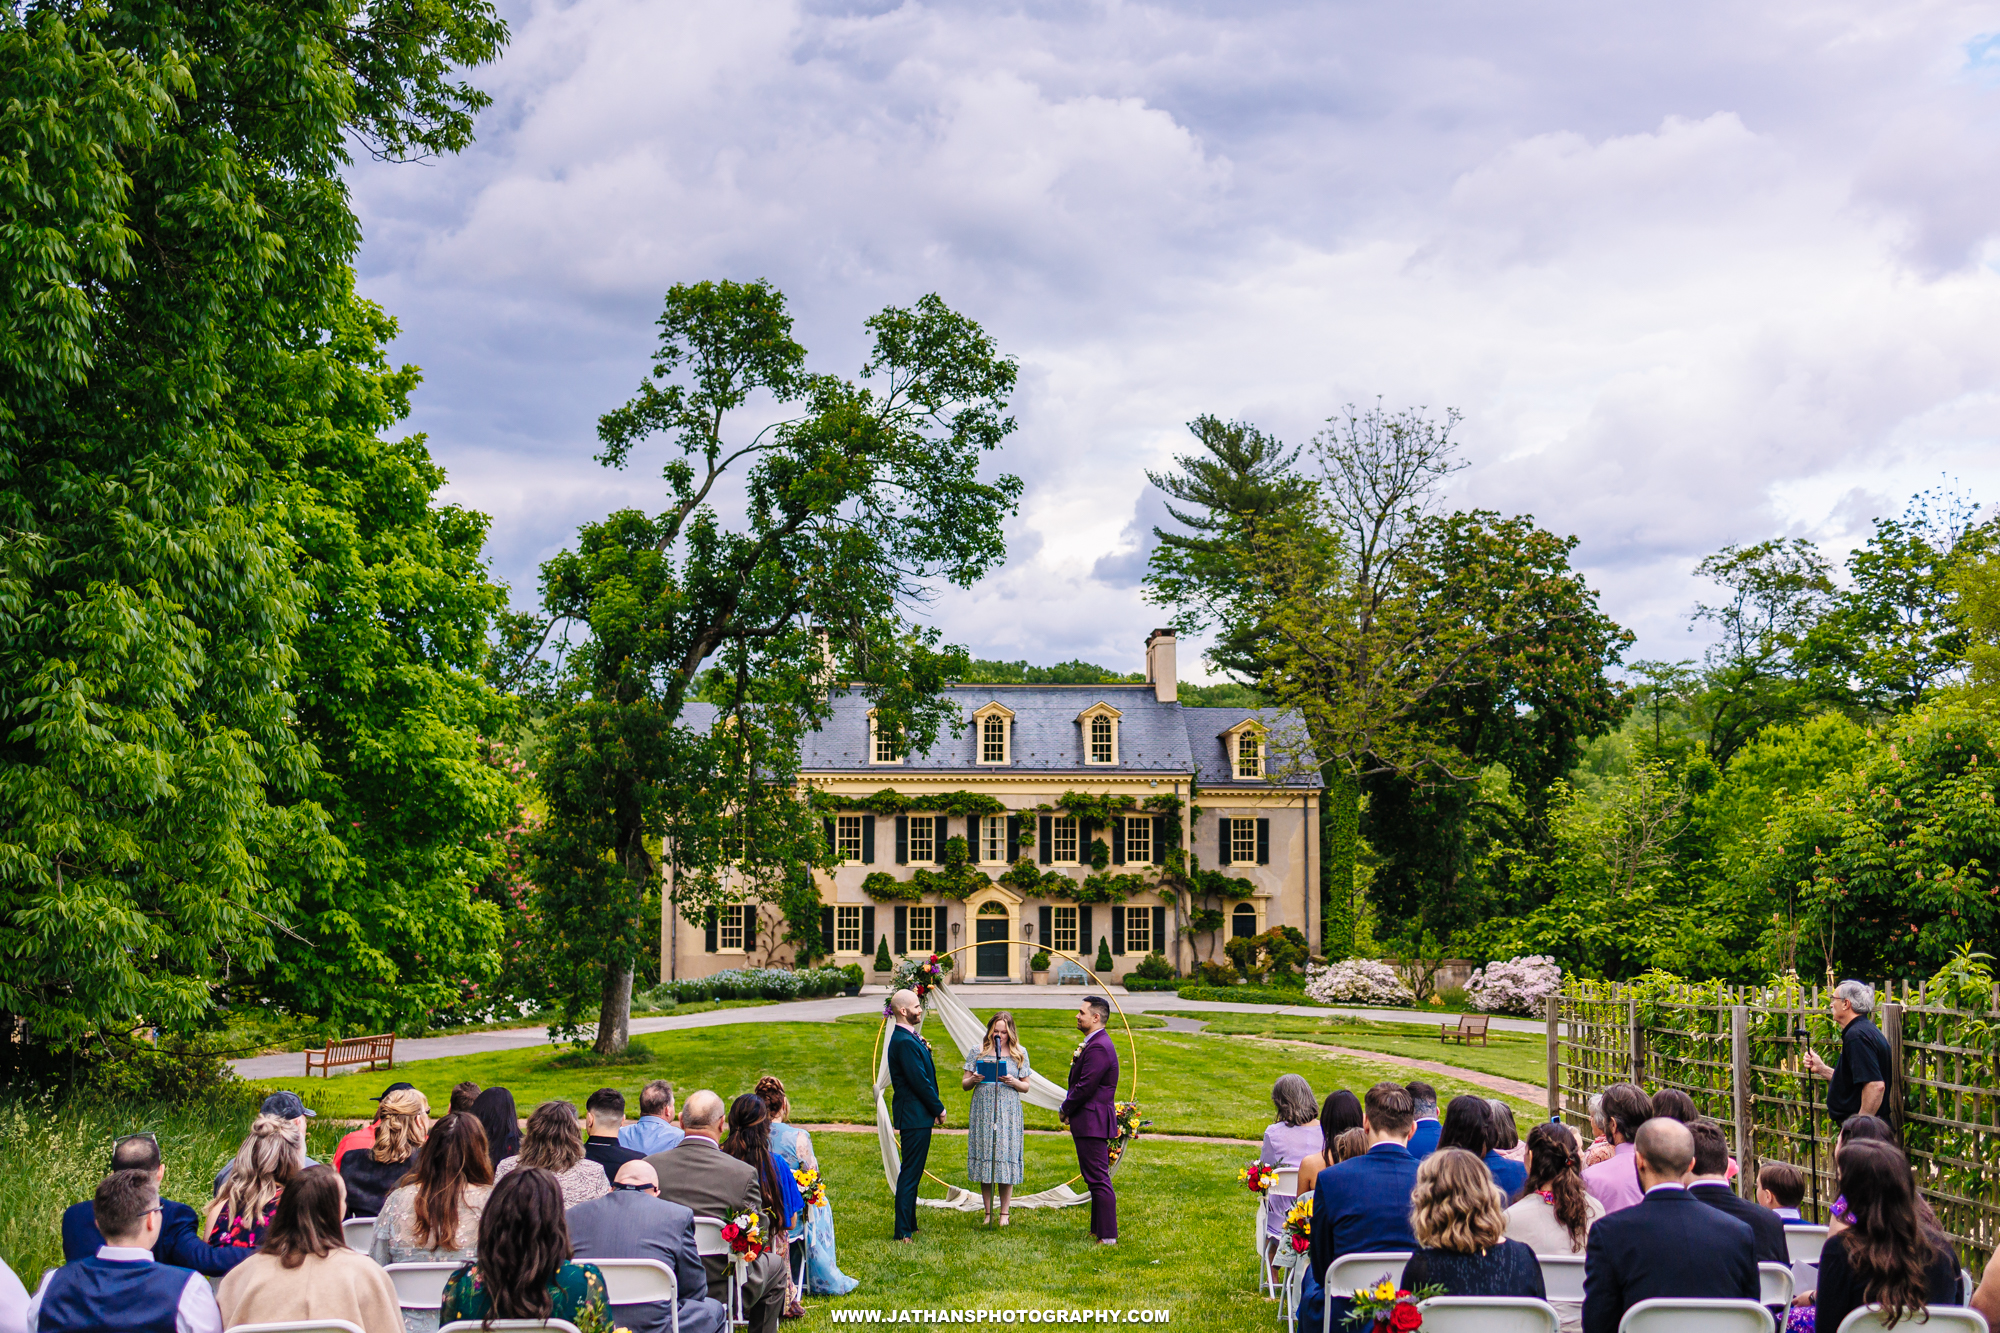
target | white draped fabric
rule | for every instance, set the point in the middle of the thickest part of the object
(966, 1032)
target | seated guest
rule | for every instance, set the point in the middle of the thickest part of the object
(122, 1286)
(274, 1152)
(1710, 1184)
(1781, 1187)
(1289, 1140)
(1351, 1144)
(1506, 1136)
(1340, 1113)
(700, 1176)
(634, 1222)
(1461, 1233)
(495, 1109)
(1363, 1204)
(1677, 1105)
(749, 1142)
(463, 1095)
(555, 1144)
(523, 1270)
(180, 1242)
(400, 1126)
(1888, 1254)
(654, 1130)
(793, 1148)
(1861, 1129)
(605, 1110)
(1669, 1244)
(1468, 1124)
(363, 1137)
(435, 1218)
(304, 1270)
(1600, 1142)
(1555, 1214)
(1614, 1182)
(1425, 1141)
(286, 1106)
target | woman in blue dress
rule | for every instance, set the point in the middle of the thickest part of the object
(793, 1147)
(993, 1144)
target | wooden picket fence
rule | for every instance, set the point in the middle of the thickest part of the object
(1736, 1051)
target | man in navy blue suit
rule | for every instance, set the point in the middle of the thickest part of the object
(180, 1243)
(1424, 1105)
(1670, 1244)
(1363, 1204)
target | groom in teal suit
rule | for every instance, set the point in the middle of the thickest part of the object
(916, 1108)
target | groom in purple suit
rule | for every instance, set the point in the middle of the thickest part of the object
(1091, 1113)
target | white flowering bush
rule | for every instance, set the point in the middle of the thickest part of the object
(1517, 986)
(1356, 981)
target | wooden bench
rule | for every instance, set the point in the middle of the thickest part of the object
(1469, 1026)
(353, 1051)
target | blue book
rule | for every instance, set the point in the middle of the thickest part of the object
(989, 1071)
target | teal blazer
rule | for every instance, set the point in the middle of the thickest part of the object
(913, 1078)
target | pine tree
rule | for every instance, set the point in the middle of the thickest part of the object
(882, 963)
(1103, 954)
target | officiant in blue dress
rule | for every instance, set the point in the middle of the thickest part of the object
(996, 1074)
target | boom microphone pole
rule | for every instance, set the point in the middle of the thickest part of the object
(1800, 1034)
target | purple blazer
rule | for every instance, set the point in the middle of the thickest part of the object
(1092, 1105)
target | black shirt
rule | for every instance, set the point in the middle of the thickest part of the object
(1864, 1059)
(1508, 1269)
(607, 1152)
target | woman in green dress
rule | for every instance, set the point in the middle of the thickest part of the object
(524, 1269)
(993, 1141)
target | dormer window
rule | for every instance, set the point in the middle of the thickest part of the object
(1245, 744)
(1100, 734)
(881, 742)
(993, 734)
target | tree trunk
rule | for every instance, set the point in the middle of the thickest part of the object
(614, 1015)
(1340, 824)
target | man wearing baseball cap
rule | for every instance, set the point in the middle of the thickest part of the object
(286, 1106)
(364, 1137)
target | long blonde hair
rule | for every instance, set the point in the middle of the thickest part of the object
(404, 1125)
(272, 1153)
(987, 1044)
(1456, 1206)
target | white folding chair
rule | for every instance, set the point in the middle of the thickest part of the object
(1967, 1284)
(1295, 1286)
(299, 1326)
(1942, 1319)
(1804, 1241)
(1693, 1316)
(708, 1242)
(1774, 1284)
(1361, 1269)
(360, 1233)
(640, 1282)
(1489, 1314)
(420, 1286)
(1562, 1276)
(1285, 1183)
(517, 1325)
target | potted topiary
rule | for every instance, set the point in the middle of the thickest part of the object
(854, 975)
(1038, 967)
(883, 967)
(1103, 965)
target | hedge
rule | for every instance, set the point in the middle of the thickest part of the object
(753, 983)
(1141, 984)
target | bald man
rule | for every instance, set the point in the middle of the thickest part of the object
(701, 1177)
(1669, 1244)
(634, 1222)
(915, 1108)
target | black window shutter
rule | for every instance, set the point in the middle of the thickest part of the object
(1048, 926)
(1159, 831)
(941, 834)
(1085, 830)
(971, 836)
(1118, 930)
(827, 824)
(1045, 846)
(902, 945)
(1159, 930)
(902, 840)
(749, 927)
(826, 929)
(1263, 842)
(708, 935)
(1083, 933)
(1118, 842)
(1013, 839)
(868, 839)
(1222, 842)
(868, 930)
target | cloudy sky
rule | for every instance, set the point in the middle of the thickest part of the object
(1694, 273)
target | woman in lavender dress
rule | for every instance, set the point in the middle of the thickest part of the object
(1288, 1142)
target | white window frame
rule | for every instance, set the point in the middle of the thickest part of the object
(981, 720)
(729, 920)
(847, 926)
(928, 823)
(1253, 739)
(877, 741)
(1056, 829)
(1243, 842)
(1143, 839)
(842, 839)
(1062, 938)
(992, 838)
(929, 917)
(1088, 721)
(1144, 917)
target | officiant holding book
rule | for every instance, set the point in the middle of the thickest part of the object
(996, 1074)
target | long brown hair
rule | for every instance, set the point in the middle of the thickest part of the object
(1555, 1164)
(989, 1045)
(1888, 1246)
(307, 1221)
(750, 1142)
(1455, 1205)
(523, 1240)
(554, 1140)
(453, 1157)
(1339, 1113)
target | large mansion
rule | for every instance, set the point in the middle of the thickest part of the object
(1003, 777)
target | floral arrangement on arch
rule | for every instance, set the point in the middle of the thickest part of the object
(1129, 1125)
(921, 975)
(1517, 986)
(811, 1188)
(1356, 981)
(1385, 1305)
(1258, 1177)
(744, 1234)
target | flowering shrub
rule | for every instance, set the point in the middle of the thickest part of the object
(1356, 981)
(1517, 986)
(753, 983)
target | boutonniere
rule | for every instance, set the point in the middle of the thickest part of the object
(1079, 1049)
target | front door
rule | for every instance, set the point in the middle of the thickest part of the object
(992, 956)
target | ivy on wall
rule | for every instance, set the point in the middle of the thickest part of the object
(889, 803)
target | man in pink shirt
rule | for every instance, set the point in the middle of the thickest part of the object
(1615, 1183)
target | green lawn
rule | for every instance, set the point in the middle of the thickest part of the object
(1521, 1055)
(1188, 1083)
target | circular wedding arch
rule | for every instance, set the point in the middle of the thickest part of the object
(1131, 1045)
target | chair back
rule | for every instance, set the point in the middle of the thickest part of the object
(1804, 1241)
(517, 1325)
(1562, 1276)
(636, 1281)
(1774, 1284)
(1287, 1181)
(360, 1233)
(420, 1286)
(1360, 1269)
(299, 1326)
(1490, 1314)
(708, 1240)
(1696, 1316)
(1942, 1319)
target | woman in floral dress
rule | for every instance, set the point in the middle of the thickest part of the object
(524, 1269)
(993, 1143)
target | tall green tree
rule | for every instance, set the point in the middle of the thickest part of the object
(1758, 671)
(175, 238)
(855, 505)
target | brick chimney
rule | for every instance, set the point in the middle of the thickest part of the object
(1160, 673)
